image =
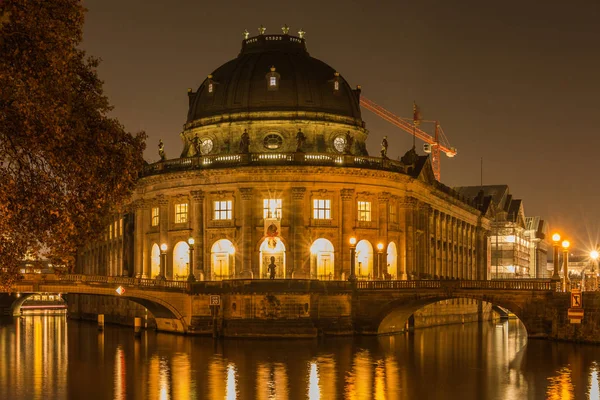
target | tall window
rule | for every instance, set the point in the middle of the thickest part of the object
(121, 227)
(181, 213)
(222, 209)
(364, 210)
(273, 81)
(272, 208)
(210, 88)
(393, 214)
(321, 209)
(155, 216)
(336, 85)
(110, 230)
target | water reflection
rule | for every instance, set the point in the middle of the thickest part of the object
(39, 360)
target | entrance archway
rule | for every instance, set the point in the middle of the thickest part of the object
(364, 260)
(154, 261)
(181, 261)
(272, 250)
(392, 261)
(321, 259)
(222, 259)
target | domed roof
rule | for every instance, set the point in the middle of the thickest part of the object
(274, 73)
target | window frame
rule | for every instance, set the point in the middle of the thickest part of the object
(222, 210)
(324, 212)
(364, 213)
(181, 213)
(267, 208)
(155, 217)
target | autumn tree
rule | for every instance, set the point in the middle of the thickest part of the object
(65, 165)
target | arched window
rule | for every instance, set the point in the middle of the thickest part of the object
(155, 261)
(321, 259)
(222, 257)
(181, 261)
(392, 261)
(272, 250)
(364, 260)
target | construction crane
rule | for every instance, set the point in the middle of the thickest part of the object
(433, 144)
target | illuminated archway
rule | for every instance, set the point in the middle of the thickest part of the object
(155, 261)
(321, 259)
(364, 260)
(392, 261)
(222, 258)
(272, 250)
(181, 261)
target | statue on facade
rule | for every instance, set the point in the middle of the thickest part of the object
(384, 146)
(161, 150)
(272, 268)
(196, 145)
(349, 143)
(300, 139)
(245, 143)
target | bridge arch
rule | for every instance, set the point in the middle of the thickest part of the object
(392, 317)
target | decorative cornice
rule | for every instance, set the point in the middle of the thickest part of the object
(384, 197)
(162, 200)
(408, 202)
(197, 195)
(347, 194)
(298, 193)
(246, 193)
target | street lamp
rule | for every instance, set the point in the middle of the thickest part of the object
(380, 259)
(163, 262)
(191, 277)
(565, 245)
(352, 277)
(555, 242)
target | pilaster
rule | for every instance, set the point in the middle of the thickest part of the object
(247, 248)
(300, 264)
(347, 218)
(197, 225)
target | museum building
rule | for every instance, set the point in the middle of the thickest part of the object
(274, 180)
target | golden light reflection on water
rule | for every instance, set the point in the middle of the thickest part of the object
(120, 371)
(222, 379)
(314, 392)
(182, 384)
(272, 381)
(560, 386)
(593, 384)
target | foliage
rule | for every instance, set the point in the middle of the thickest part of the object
(65, 165)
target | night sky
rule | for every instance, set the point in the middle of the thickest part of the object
(514, 82)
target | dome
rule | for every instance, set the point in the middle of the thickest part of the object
(274, 73)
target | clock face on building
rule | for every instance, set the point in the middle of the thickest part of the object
(206, 146)
(339, 143)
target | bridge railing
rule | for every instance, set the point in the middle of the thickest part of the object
(513, 284)
(123, 280)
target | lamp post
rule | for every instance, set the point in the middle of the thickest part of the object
(555, 245)
(594, 257)
(380, 260)
(163, 262)
(191, 277)
(566, 281)
(352, 277)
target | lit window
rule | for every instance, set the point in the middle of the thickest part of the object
(121, 227)
(110, 231)
(273, 81)
(155, 216)
(181, 213)
(222, 209)
(116, 229)
(393, 214)
(272, 208)
(321, 209)
(364, 210)
(336, 85)
(210, 88)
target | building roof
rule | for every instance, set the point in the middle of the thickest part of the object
(498, 193)
(304, 83)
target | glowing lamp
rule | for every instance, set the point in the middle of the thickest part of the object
(191, 241)
(594, 254)
(163, 247)
(556, 237)
(352, 241)
(565, 244)
(380, 246)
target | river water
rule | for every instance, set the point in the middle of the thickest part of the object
(50, 357)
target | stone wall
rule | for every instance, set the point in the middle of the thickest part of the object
(116, 310)
(454, 311)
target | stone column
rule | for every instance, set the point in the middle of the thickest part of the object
(163, 224)
(197, 225)
(300, 261)
(347, 226)
(138, 255)
(247, 225)
(384, 209)
(407, 243)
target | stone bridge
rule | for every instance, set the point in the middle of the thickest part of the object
(307, 308)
